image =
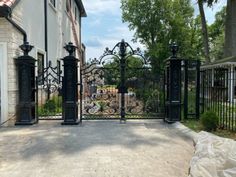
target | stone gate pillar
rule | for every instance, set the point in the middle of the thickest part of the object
(173, 102)
(25, 64)
(70, 87)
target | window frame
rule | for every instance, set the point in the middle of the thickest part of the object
(53, 3)
(68, 6)
(76, 13)
(42, 66)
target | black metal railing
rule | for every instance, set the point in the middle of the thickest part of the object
(218, 94)
(191, 89)
(49, 93)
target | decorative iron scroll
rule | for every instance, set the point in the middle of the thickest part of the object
(49, 93)
(112, 87)
(50, 79)
(103, 101)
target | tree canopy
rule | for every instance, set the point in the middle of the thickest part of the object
(157, 22)
(217, 35)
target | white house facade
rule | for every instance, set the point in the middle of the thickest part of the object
(47, 25)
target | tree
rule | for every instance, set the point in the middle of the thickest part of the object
(210, 2)
(230, 29)
(112, 69)
(204, 27)
(217, 35)
(157, 22)
(204, 31)
(196, 39)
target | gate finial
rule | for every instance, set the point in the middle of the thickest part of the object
(26, 48)
(70, 48)
(174, 49)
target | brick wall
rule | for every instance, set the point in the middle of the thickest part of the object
(13, 39)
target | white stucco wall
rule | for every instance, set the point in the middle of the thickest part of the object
(58, 37)
(31, 14)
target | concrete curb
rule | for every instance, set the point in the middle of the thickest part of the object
(187, 131)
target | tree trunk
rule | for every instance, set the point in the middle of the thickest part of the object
(204, 31)
(230, 29)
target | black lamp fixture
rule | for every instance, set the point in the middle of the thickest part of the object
(26, 48)
(70, 48)
(174, 49)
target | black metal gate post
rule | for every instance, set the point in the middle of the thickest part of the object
(173, 103)
(81, 90)
(122, 89)
(26, 85)
(198, 89)
(70, 87)
(185, 89)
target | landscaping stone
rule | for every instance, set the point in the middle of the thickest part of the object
(214, 156)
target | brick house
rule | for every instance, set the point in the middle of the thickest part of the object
(47, 25)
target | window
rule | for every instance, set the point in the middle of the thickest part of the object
(40, 68)
(75, 14)
(220, 77)
(53, 2)
(68, 5)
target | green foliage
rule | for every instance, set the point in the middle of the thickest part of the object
(197, 49)
(154, 102)
(217, 35)
(157, 22)
(112, 70)
(209, 121)
(209, 2)
(51, 107)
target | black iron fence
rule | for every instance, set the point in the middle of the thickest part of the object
(217, 93)
(191, 89)
(123, 87)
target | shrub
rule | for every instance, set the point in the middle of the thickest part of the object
(154, 102)
(50, 106)
(209, 121)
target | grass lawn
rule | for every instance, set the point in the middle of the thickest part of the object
(196, 126)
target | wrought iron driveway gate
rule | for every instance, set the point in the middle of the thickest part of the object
(121, 87)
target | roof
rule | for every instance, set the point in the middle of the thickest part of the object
(8, 3)
(221, 63)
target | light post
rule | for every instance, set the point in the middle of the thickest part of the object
(173, 104)
(26, 84)
(70, 87)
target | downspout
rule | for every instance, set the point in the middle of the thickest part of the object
(46, 30)
(5, 11)
(20, 29)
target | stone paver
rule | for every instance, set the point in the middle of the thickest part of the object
(146, 148)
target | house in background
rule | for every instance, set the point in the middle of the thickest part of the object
(219, 80)
(47, 25)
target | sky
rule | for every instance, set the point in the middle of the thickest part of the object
(103, 26)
